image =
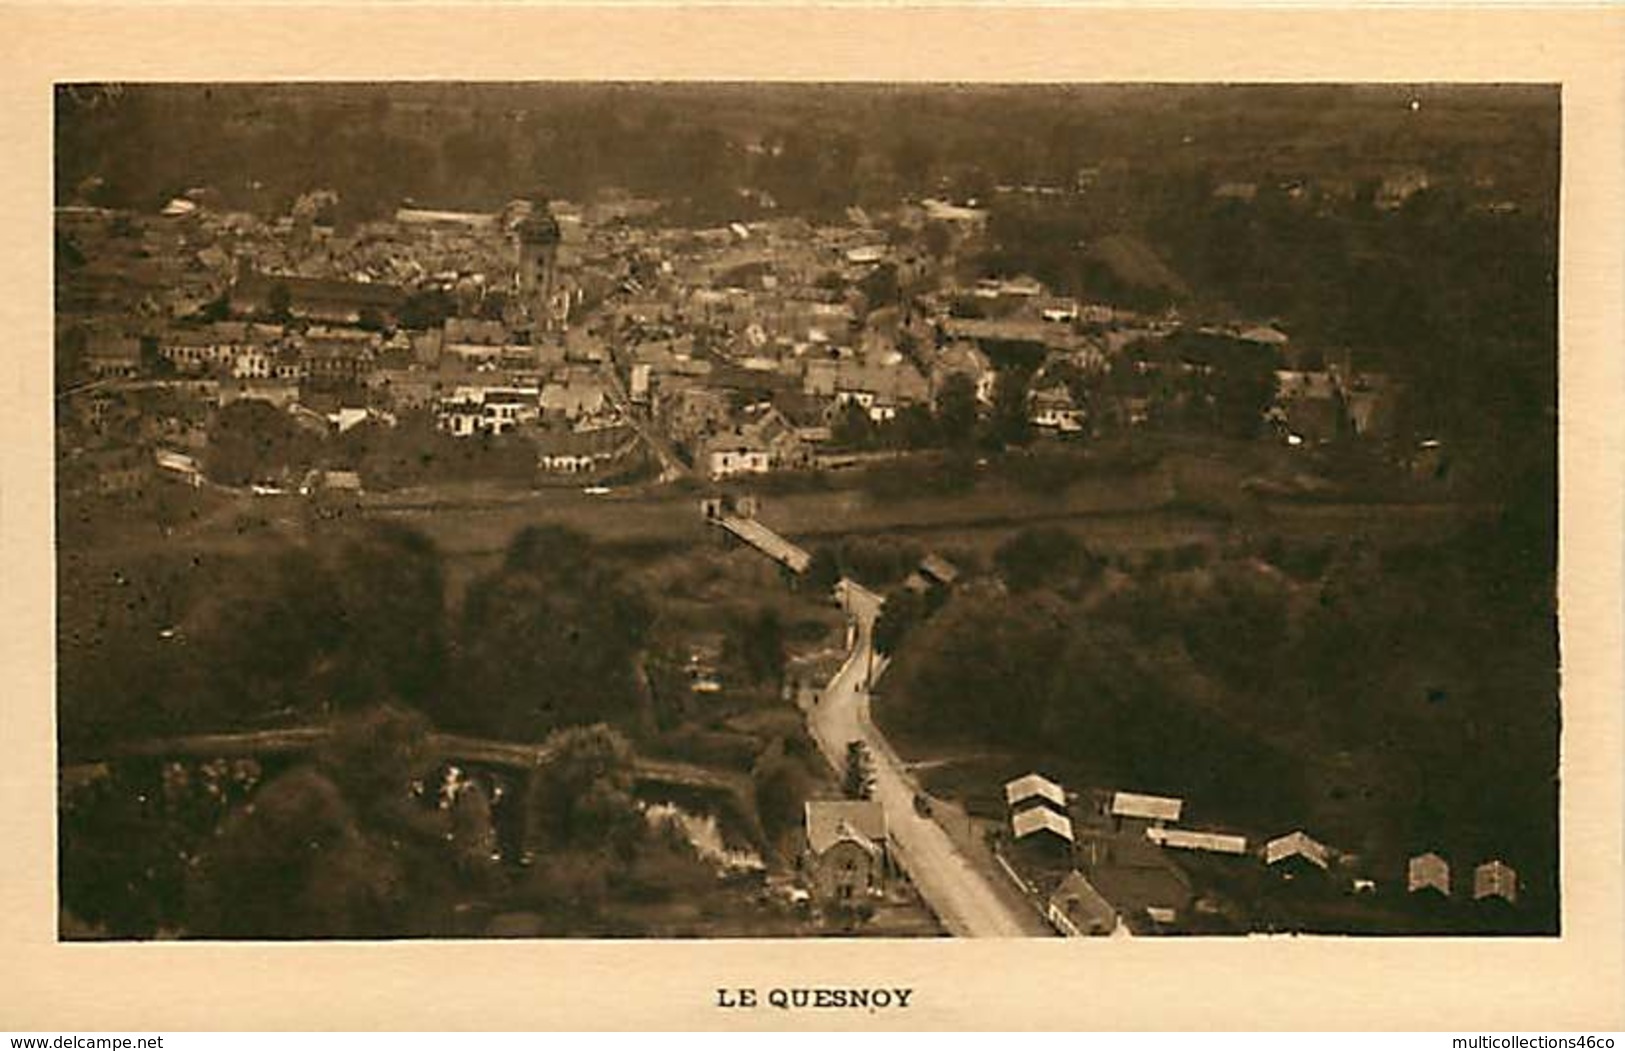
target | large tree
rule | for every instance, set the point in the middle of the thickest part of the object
(904, 609)
(582, 795)
(549, 640)
(392, 605)
(823, 571)
(1042, 556)
(756, 645)
(1010, 422)
(252, 440)
(337, 849)
(957, 411)
(858, 777)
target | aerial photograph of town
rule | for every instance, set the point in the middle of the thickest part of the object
(770, 510)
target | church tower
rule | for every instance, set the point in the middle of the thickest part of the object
(538, 239)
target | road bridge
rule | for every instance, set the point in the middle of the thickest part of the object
(765, 540)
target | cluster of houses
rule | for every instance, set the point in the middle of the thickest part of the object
(752, 347)
(1102, 863)
(1318, 406)
(751, 344)
(334, 341)
(1089, 863)
(756, 376)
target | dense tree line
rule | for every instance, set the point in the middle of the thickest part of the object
(357, 618)
(214, 642)
(547, 640)
(1456, 301)
(815, 150)
(352, 631)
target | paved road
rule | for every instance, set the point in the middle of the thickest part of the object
(956, 891)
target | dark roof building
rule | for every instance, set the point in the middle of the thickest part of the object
(832, 821)
(318, 298)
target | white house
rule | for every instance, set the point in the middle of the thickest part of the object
(737, 452)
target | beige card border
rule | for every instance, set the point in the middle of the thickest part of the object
(1571, 983)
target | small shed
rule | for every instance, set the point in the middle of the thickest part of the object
(342, 481)
(1134, 806)
(939, 569)
(1297, 851)
(1495, 880)
(1032, 789)
(1043, 823)
(1428, 872)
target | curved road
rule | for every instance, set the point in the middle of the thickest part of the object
(956, 891)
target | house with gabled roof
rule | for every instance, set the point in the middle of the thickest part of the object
(1034, 790)
(1296, 852)
(1039, 824)
(736, 451)
(1147, 890)
(1052, 406)
(1077, 910)
(848, 855)
(112, 355)
(879, 387)
(580, 395)
(764, 440)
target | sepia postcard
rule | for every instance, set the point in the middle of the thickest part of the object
(734, 524)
